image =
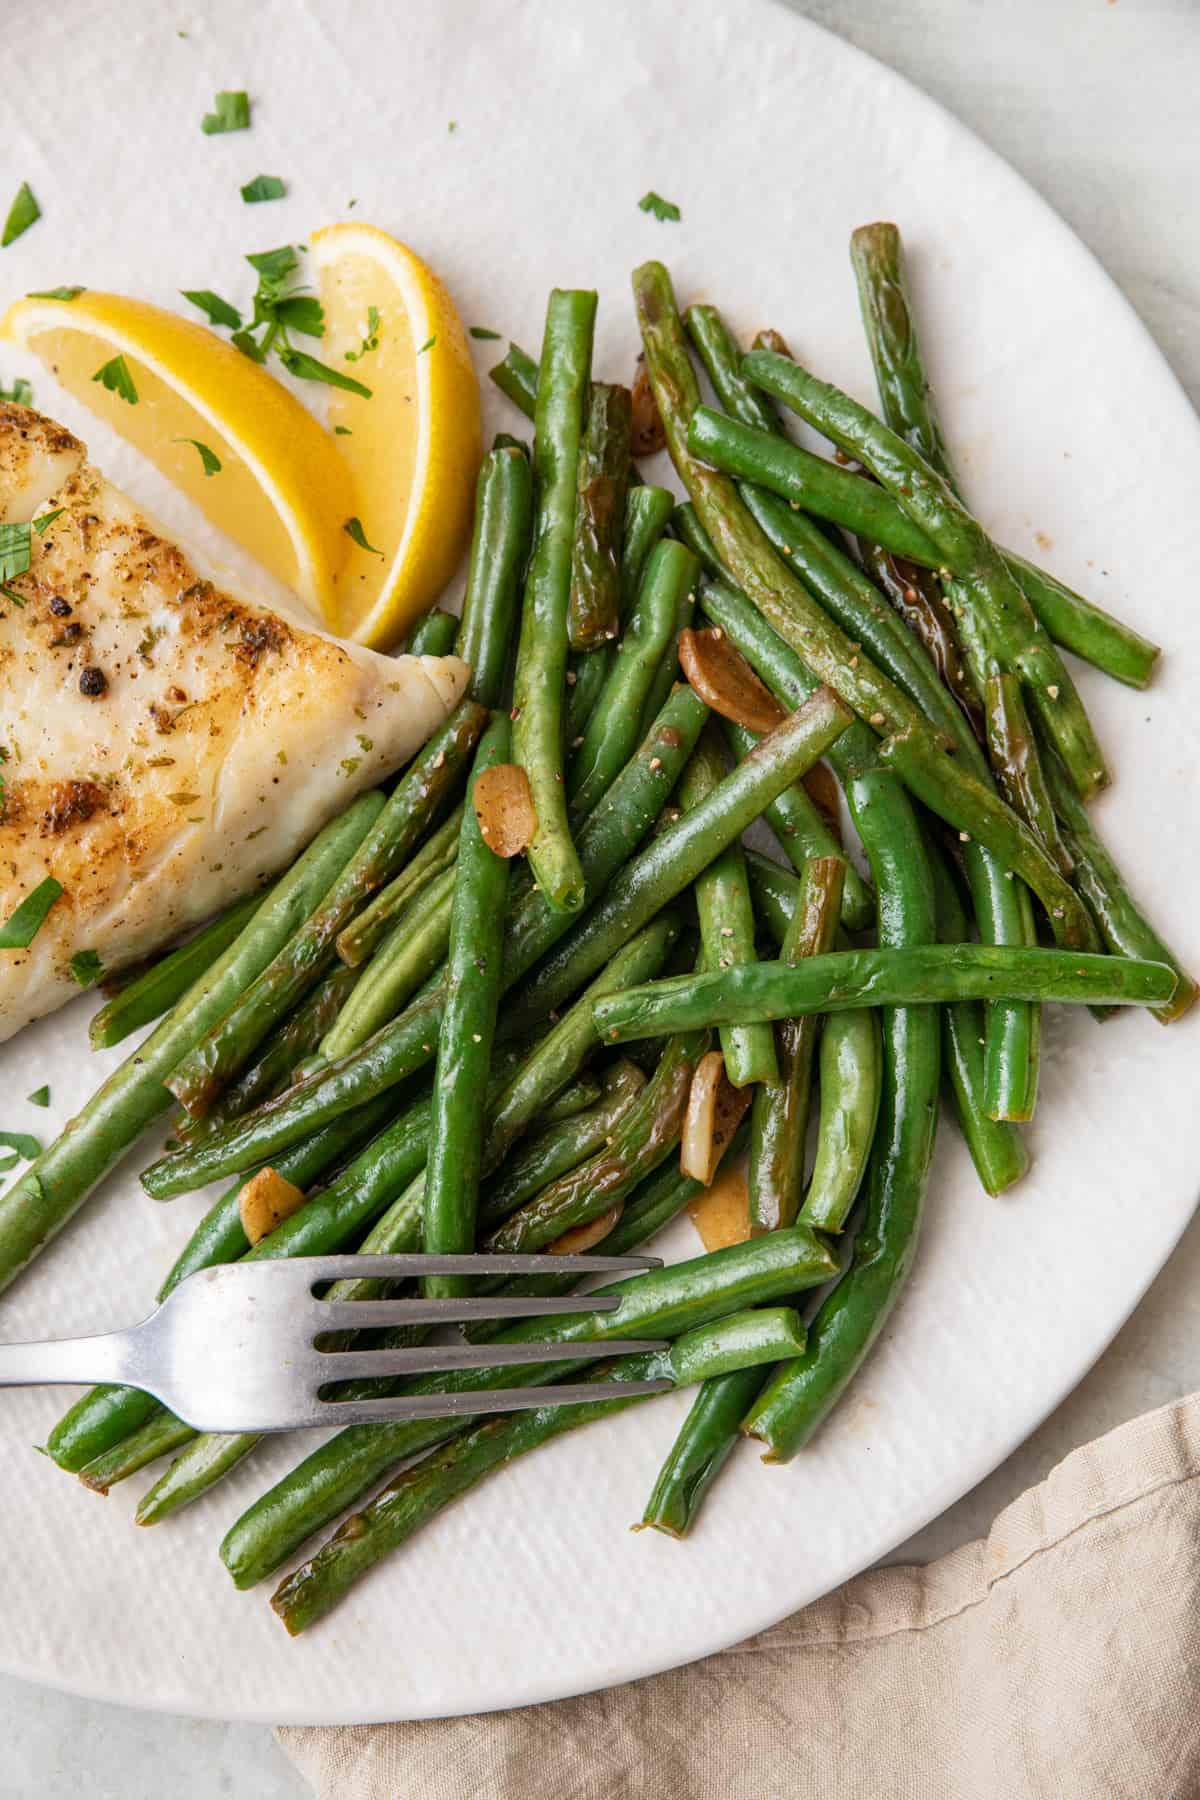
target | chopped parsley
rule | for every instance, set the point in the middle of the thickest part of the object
(22, 926)
(308, 368)
(263, 187)
(44, 521)
(279, 310)
(662, 209)
(209, 458)
(353, 529)
(219, 311)
(20, 393)
(427, 345)
(342, 431)
(86, 968)
(22, 1142)
(23, 213)
(116, 378)
(15, 548)
(39, 1097)
(482, 332)
(370, 339)
(58, 293)
(231, 112)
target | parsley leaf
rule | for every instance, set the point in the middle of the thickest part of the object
(263, 187)
(8, 1160)
(20, 393)
(39, 1097)
(481, 331)
(15, 548)
(44, 521)
(370, 340)
(274, 266)
(22, 926)
(219, 311)
(301, 312)
(211, 461)
(662, 209)
(299, 363)
(241, 340)
(22, 1143)
(58, 293)
(86, 968)
(231, 112)
(23, 213)
(353, 528)
(116, 378)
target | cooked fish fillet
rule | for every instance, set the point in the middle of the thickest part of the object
(164, 747)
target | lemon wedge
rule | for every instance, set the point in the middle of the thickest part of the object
(413, 448)
(282, 490)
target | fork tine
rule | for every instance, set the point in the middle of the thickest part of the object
(433, 1359)
(494, 1400)
(353, 1315)
(400, 1267)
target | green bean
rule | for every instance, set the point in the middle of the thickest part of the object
(1001, 905)
(585, 679)
(848, 1321)
(472, 997)
(206, 1460)
(614, 728)
(916, 596)
(604, 463)
(727, 926)
(433, 634)
(542, 651)
(647, 514)
(971, 807)
(499, 550)
(850, 1080)
(562, 1052)
(997, 1148)
(290, 1044)
(622, 819)
(42, 1200)
(701, 1449)
(582, 1094)
(366, 932)
(929, 974)
(770, 586)
(413, 948)
(1124, 927)
(645, 1135)
(803, 833)
(665, 1302)
(517, 378)
(681, 852)
(159, 1435)
(1000, 613)
(419, 1493)
(722, 359)
(155, 991)
(560, 1146)
(430, 781)
(844, 498)
(779, 1117)
(1018, 766)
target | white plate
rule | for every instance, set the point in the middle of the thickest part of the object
(774, 139)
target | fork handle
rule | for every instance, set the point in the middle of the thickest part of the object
(108, 1357)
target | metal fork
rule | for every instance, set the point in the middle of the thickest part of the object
(233, 1348)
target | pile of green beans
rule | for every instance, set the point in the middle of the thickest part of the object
(429, 1041)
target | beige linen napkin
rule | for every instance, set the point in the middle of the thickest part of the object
(1057, 1659)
